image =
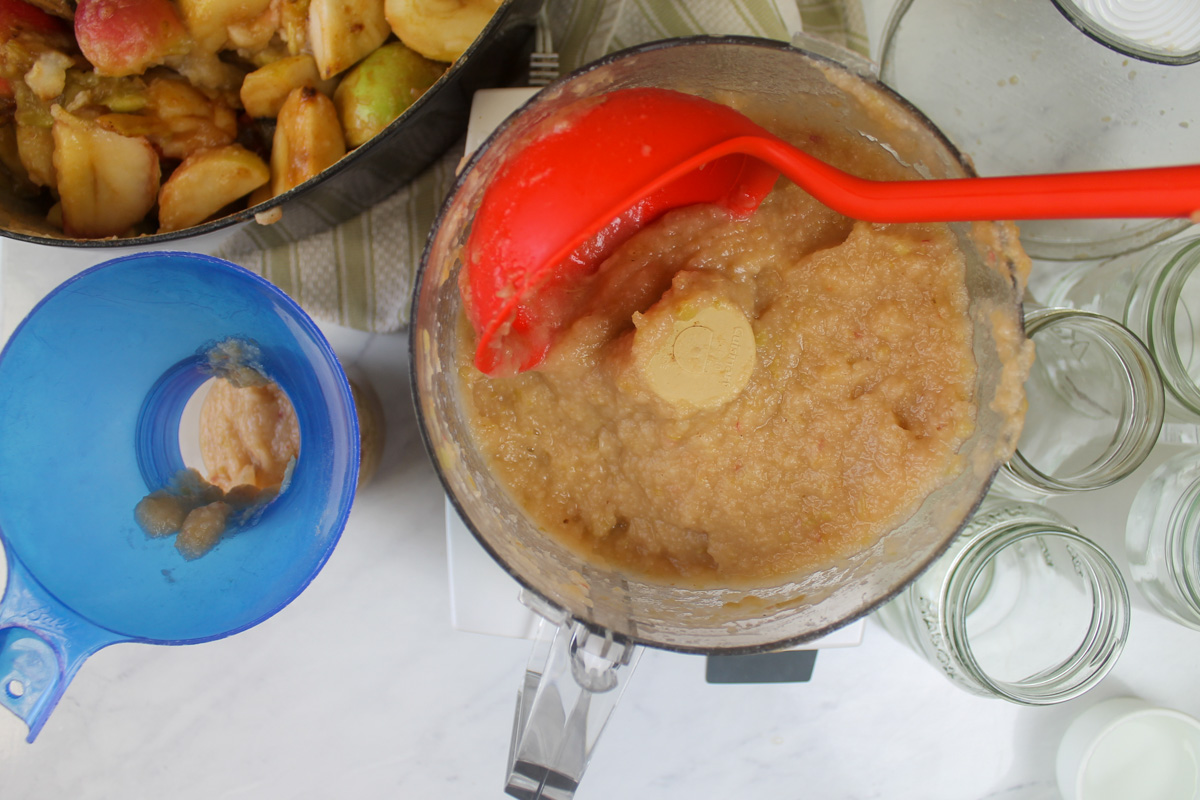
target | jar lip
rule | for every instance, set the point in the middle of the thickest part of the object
(1139, 428)
(1148, 36)
(1097, 652)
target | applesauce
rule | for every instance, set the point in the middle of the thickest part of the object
(249, 441)
(248, 435)
(743, 399)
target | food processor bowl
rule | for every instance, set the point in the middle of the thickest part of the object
(809, 78)
(706, 620)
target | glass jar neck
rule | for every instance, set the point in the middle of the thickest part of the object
(1097, 650)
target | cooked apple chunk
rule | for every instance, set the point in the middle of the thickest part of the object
(206, 182)
(177, 118)
(35, 148)
(48, 76)
(106, 182)
(265, 89)
(208, 20)
(440, 30)
(341, 32)
(308, 138)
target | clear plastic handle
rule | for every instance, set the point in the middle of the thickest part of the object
(574, 679)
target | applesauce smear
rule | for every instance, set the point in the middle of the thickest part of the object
(744, 399)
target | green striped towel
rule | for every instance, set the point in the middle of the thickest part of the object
(360, 273)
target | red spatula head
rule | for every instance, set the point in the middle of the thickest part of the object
(593, 175)
(573, 193)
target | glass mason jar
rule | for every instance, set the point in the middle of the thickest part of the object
(1157, 31)
(1022, 60)
(1156, 294)
(1020, 607)
(1162, 538)
(1095, 406)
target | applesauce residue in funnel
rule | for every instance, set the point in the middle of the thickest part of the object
(249, 441)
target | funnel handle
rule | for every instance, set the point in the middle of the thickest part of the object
(574, 679)
(42, 646)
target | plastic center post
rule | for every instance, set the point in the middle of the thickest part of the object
(695, 356)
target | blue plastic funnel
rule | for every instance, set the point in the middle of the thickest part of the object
(93, 384)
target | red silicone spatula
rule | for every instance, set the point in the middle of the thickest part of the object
(570, 195)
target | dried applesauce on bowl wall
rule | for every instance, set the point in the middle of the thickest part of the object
(136, 117)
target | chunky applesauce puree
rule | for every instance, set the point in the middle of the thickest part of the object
(249, 440)
(743, 398)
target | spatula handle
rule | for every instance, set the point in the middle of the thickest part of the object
(1154, 192)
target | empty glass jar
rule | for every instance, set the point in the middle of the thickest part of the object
(1095, 406)
(1032, 92)
(1156, 294)
(1021, 607)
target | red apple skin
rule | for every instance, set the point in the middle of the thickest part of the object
(17, 16)
(36, 30)
(125, 37)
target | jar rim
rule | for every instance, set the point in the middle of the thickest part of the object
(1138, 428)
(1107, 628)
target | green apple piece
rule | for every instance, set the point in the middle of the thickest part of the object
(380, 88)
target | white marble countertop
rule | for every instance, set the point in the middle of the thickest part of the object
(363, 688)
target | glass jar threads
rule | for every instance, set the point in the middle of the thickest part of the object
(1020, 607)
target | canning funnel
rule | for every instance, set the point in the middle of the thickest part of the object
(93, 384)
